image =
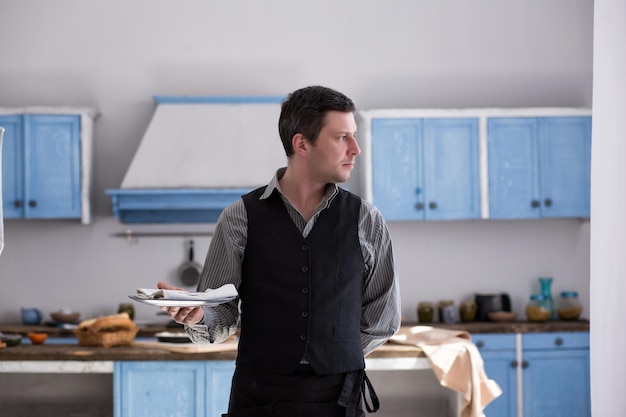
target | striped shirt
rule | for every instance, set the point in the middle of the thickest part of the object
(380, 313)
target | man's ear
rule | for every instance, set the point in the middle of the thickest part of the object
(300, 144)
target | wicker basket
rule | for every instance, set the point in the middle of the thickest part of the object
(88, 337)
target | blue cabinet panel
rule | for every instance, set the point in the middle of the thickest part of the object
(159, 389)
(52, 155)
(219, 376)
(396, 150)
(426, 169)
(12, 167)
(41, 166)
(556, 375)
(499, 357)
(451, 177)
(565, 166)
(172, 388)
(539, 167)
(513, 173)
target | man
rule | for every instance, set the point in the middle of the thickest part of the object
(314, 268)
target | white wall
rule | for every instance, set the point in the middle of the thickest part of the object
(608, 205)
(115, 55)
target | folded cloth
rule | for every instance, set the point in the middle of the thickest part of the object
(224, 292)
(457, 364)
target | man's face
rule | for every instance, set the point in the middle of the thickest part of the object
(333, 155)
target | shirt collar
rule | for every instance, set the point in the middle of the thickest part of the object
(331, 189)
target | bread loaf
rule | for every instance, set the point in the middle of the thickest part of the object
(106, 331)
(110, 323)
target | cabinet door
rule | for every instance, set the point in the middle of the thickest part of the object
(426, 169)
(556, 375)
(219, 375)
(159, 389)
(397, 174)
(498, 353)
(451, 172)
(12, 167)
(565, 158)
(513, 170)
(52, 167)
(539, 167)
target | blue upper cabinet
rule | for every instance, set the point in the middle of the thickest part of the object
(425, 168)
(539, 166)
(12, 167)
(45, 171)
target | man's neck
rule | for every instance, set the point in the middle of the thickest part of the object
(303, 194)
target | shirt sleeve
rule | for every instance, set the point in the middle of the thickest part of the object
(380, 313)
(222, 266)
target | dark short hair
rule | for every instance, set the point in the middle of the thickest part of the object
(304, 110)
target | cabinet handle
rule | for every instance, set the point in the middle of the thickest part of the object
(547, 202)
(432, 205)
(525, 364)
(534, 203)
(480, 343)
(558, 341)
(18, 203)
(32, 203)
(514, 364)
(419, 206)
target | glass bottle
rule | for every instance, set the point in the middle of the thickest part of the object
(127, 308)
(467, 311)
(425, 312)
(538, 308)
(569, 306)
(546, 291)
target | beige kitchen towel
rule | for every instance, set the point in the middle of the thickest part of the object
(457, 364)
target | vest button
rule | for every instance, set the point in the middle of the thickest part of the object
(305, 290)
(305, 247)
(302, 337)
(305, 314)
(305, 268)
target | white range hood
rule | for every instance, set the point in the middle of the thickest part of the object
(198, 155)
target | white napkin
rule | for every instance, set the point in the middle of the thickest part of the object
(227, 291)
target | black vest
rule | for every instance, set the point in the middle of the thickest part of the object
(301, 297)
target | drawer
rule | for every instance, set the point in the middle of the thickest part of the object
(556, 340)
(489, 342)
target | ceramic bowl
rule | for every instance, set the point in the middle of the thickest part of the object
(37, 338)
(11, 339)
(502, 316)
(65, 317)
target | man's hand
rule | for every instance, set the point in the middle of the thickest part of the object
(182, 315)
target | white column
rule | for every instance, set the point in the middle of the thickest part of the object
(608, 211)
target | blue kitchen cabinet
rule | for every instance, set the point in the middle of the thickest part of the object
(426, 168)
(499, 356)
(172, 388)
(556, 375)
(539, 167)
(41, 166)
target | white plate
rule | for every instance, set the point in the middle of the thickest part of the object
(181, 303)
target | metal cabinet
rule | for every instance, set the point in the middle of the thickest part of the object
(553, 369)
(539, 167)
(41, 166)
(425, 168)
(172, 388)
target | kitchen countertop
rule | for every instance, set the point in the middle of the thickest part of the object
(73, 352)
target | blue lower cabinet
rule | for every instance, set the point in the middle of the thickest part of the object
(556, 375)
(498, 353)
(172, 388)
